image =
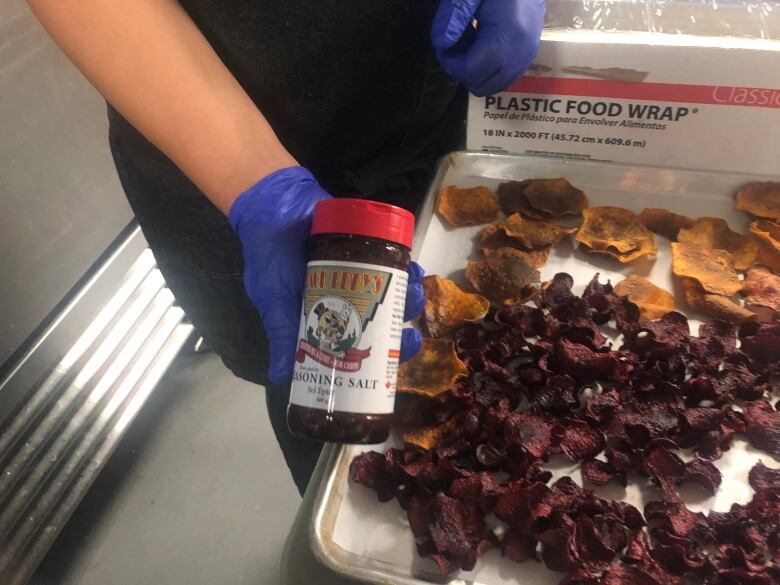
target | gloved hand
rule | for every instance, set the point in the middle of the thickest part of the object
(489, 59)
(272, 220)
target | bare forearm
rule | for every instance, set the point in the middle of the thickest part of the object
(152, 64)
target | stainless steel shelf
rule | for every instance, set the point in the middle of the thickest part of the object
(66, 424)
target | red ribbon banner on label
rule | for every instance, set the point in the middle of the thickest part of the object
(351, 362)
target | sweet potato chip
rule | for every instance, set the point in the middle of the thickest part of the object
(534, 233)
(432, 370)
(617, 232)
(511, 197)
(447, 306)
(653, 301)
(555, 197)
(716, 306)
(663, 222)
(473, 206)
(713, 232)
(761, 199)
(767, 236)
(505, 278)
(712, 269)
(535, 258)
(762, 289)
(494, 239)
(428, 436)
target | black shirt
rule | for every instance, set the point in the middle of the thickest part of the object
(351, 87)
(353, 90)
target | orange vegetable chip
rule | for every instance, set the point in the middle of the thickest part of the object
(555, 197)
(433, 370)
(767, 236)
(417, 422)
(663, 222)
(533, 233)
(473, 206)
(536, 258)
(714, 232)
(447, 306)
(504, 278)
(511, 196)
(761, 199)
(717, 306)
(762, 289)
(617, 232)
(712, 269)
(653, 301)
(427, 436)
(494, 237)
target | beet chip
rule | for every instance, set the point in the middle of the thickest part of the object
(702, 419)
(559, 551)
(582, 363)
(763, 428)
(557, 291)
(600, 472)
(764, 478)
(458, 537)
(703, 473)
(529, 431)
(581, 577)
(418, 513)
(368, 469)
(679, 559)
(629, 575)
(673, 517)
(580, 440)
(667, 467)
(600, 409)
(518, 545)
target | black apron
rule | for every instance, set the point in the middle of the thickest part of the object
(353, 90)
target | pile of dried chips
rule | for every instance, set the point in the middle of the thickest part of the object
(616, 231)
(497, 390)
(543, 380)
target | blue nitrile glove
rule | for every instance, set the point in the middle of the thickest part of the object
(489, 59)
(272, 220)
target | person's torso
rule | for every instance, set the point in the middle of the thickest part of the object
(337, 79)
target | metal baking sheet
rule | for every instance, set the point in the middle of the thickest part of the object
(352, 532)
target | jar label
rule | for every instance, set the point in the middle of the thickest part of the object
(349, 338)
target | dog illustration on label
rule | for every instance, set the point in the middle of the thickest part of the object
(334, 325)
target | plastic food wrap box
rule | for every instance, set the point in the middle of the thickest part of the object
(710, 74)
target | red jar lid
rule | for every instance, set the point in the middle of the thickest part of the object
(364, 218)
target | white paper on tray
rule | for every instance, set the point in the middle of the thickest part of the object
(379, 532)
